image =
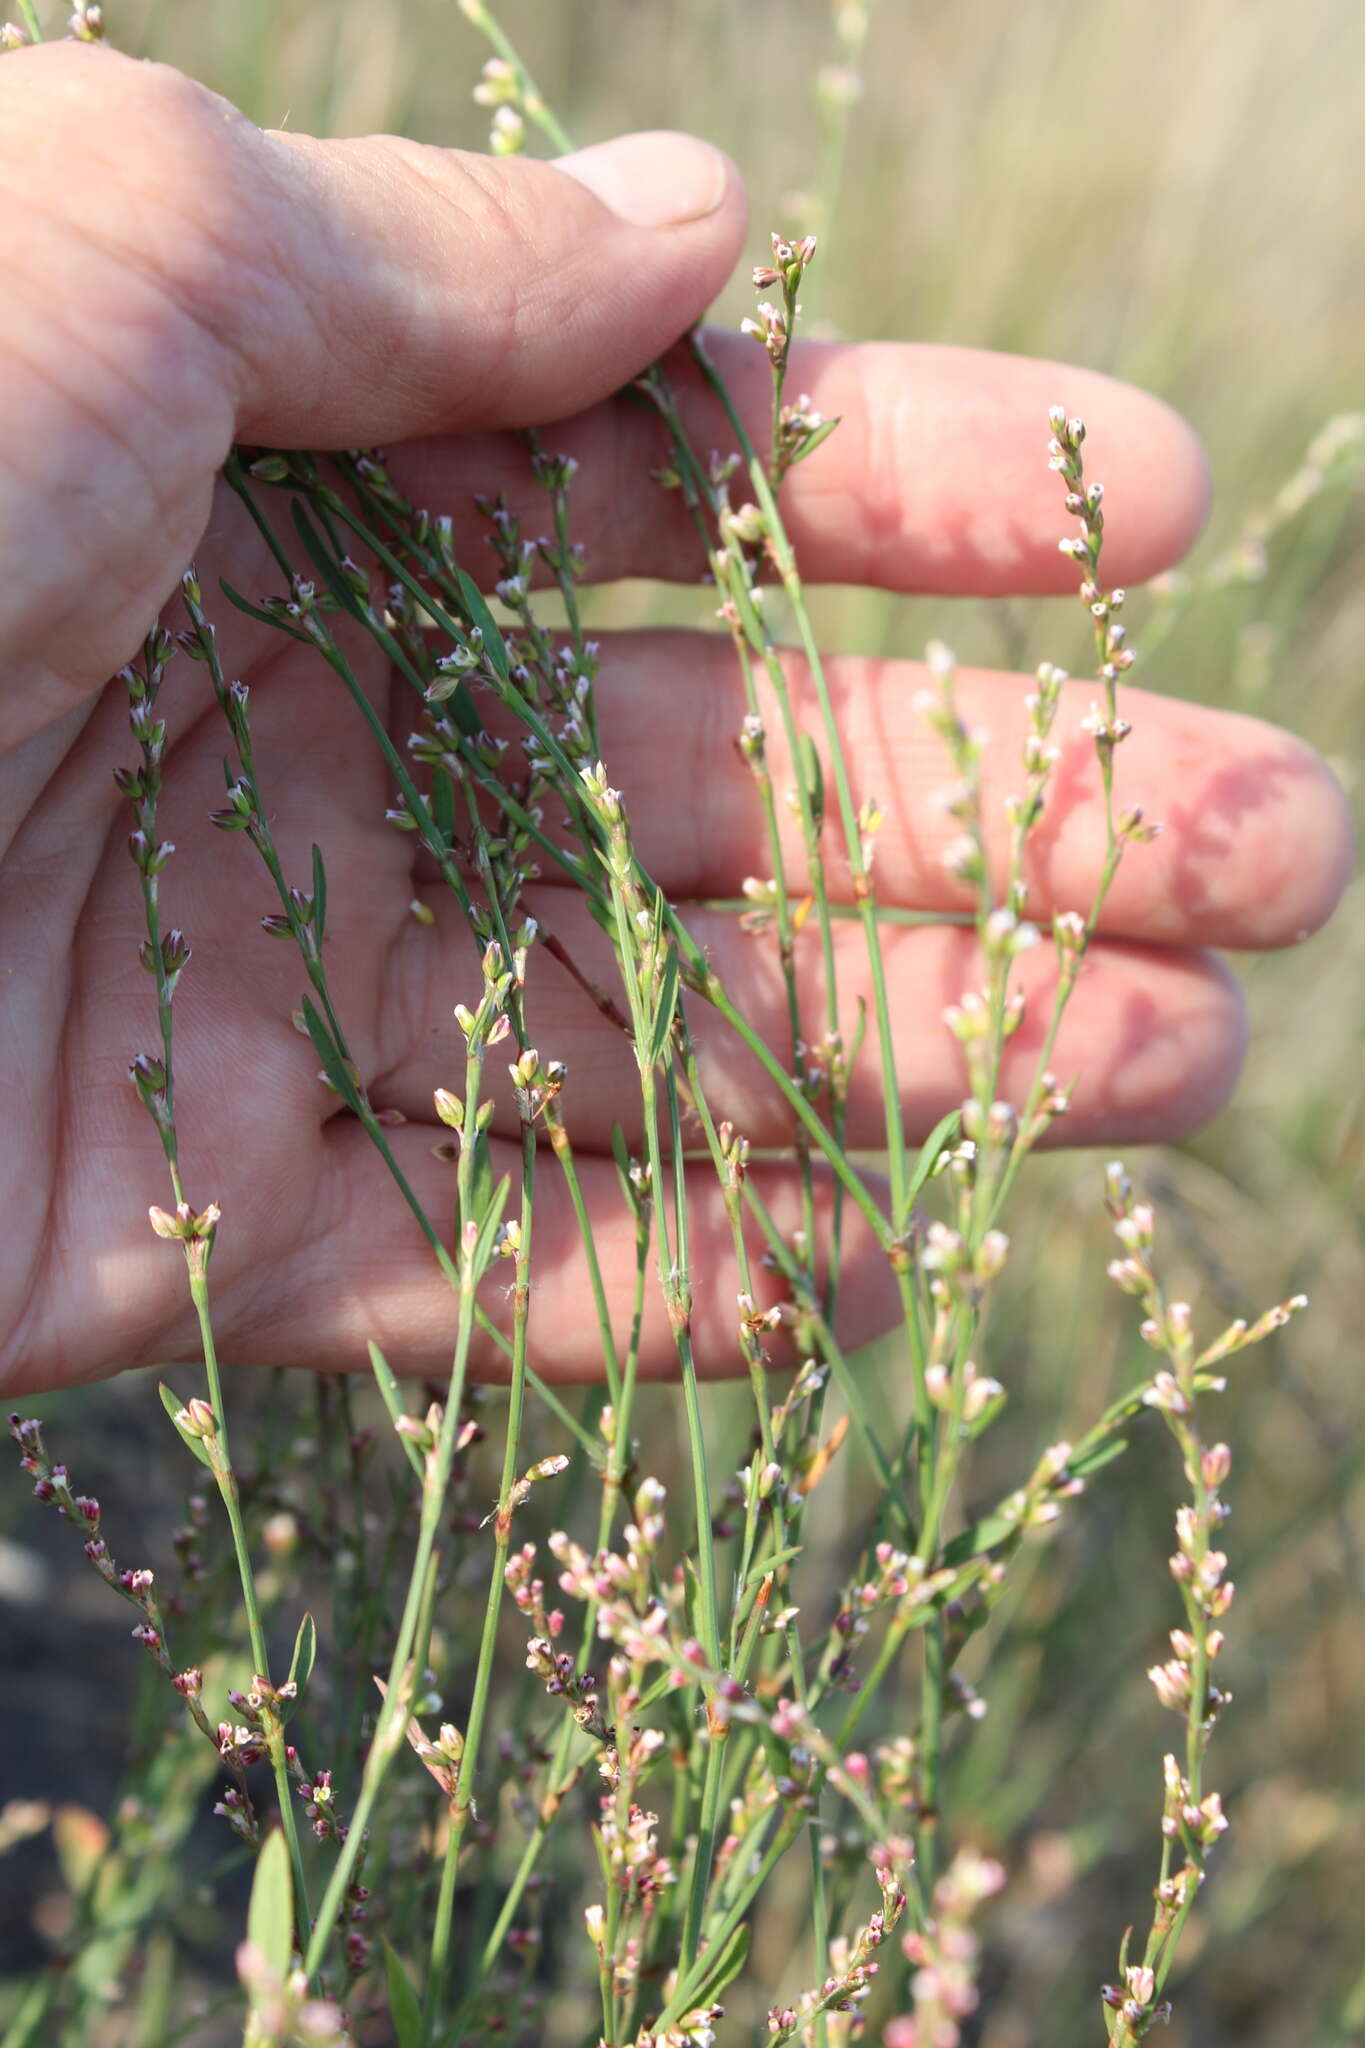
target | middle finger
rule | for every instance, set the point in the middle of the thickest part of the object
(1156, 1035)
(1255, 842)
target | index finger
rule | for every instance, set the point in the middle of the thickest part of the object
(936, 479)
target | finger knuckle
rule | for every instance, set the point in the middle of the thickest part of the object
(133, 170)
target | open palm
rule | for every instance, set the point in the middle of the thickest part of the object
(213, 282)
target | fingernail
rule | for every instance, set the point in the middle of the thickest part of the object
(657, 180)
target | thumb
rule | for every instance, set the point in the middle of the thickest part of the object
(435, 289)
(175, 278)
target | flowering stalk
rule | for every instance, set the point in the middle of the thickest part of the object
(533, 1087)
(856, 837)
(52, 1483)
(508, 85)
(166, 956)
(1192, 1819)
(479, 1213)
(837, 91)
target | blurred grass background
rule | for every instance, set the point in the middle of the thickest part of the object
(1172, 194)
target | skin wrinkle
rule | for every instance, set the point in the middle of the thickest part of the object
(282, 1206)
(77, 337)
(162, 350)
(496, 224)
(122, 444)
(552, 267)
(370, 866)
(287, 654)
(498, 205)
(169, 508)
(28, 771)
(1198, 1079)
(74, 881)
(121, 564)
(384, 346)
(215, 324)
(224, 293)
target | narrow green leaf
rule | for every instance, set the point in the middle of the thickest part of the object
(602, 1861)
(691, 1594)
(481, 1179)
(253, 611)
(172, 1404)
(270, 1914)
(620, 1152)
(944, 1130)
(1131, 1403)
(333, 1065)
(972, 1572)
(405, 2008)
(495, 647)
(989, 1414)
(858, 1034)
(723, 1967)
(602, 913)
(1086, 1462)
(981, 1537)
(319, 894)
(771, 1563)
(813, 772)
(488, 1228)
(305, 1653)
(667, 1005)
(323, 560)
(461, 709)
(822, 433)
(443, 804)
(393, 1401)
(466, 716)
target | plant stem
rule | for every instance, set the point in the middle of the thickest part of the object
(462, 1803)
(196, 1258)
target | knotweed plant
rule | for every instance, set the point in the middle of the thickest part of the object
(579, 1849)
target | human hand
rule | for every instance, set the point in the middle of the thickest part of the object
(177, 280)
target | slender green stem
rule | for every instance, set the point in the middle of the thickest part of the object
(462, 1803)
(532, 101)
(226, 1478)
(563, 1151)
(785, 560)
(410, 1647)
(198, 1247)
(692, 1980)
(561, 1776)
